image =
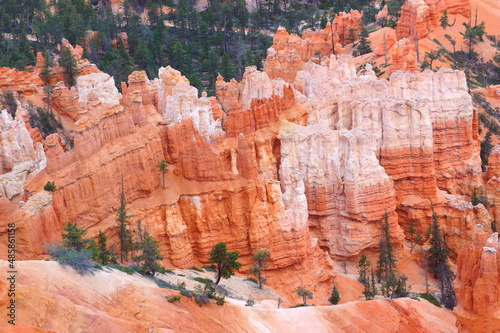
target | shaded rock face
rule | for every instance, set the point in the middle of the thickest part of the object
(303, 163)
(476, 285)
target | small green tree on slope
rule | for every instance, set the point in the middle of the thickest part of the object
(124, 233)
(260, 259)
(225, 262)
(438, 264)
(150, 254)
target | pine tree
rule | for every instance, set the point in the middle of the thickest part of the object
(386, 271)
(363, 266)
(124, 234)
(150, 255)
(443, 21)
(260, 258)
(363, 42)
(226, 67)
(68, 64)
(163, 168)
(100, 252)
(225, 262)
(73, 237)
(335, 296)
(304, 293)
(438, 264)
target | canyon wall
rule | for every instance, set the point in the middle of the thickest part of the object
(304, 162)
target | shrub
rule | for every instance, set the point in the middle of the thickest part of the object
(298, 306)
(126, 269)
(431, 299)
(196, 269)
(97, 266)
(250, 302)
(251, 279)
(174, 299)
(209, 268)
(181, 285)
(203, 280)
(50, 187)
(220, 300)
(78, 260)
(201, 299)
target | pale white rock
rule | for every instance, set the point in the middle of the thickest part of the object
(178, 99)
(100, 85)
(257, 85)
(16, 145)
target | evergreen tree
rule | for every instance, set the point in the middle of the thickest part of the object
(163, 168)
(438, 264)
(386, 271)
(304, 293)
(363, 42)
(100, 252)
(363, 266)
(8, 102)
(335, 296)
(443, 21)
(150, 255)
(73, 237)
(124, 234)
(68, 64)
(225, 262)
(226, 67)
(486, 147)
(260, 258)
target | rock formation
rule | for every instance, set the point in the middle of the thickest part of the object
(303, 159)
(419, 17)
(493, 183)
(476, 285)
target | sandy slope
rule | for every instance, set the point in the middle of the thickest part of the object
(58, 299)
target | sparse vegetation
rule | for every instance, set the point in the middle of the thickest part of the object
(304, 293)
(50, 186)
(335, 296)
(225, 262)
(430, 298)
(8, 102)
(260, 259)
(174, 299)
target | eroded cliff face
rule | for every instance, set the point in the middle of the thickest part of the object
(303, 161)
(476, 285)
(419, 17)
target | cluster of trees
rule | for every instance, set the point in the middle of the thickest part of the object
(390, 283)
(223, 38)
(83, 253)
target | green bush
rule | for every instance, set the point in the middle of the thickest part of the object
(196, 269)
(209, 268)
(431, 299)
(97, 266)
(220, 300)
(126, 269)
(251, 279)
(50, 187)
(250, 302)
(174, 299)
(203, 280)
